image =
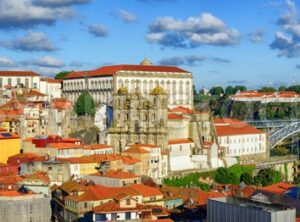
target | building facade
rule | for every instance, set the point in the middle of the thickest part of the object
(239, 138)
(26, 79)
(138, 119)
(102, 83)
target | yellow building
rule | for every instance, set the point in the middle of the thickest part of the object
(9, 145)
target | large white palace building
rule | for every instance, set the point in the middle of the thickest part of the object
(104, 81)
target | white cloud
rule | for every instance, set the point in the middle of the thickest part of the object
(6, 62)
(33, 41)
(192, 32)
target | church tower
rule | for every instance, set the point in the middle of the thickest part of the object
(139, 120)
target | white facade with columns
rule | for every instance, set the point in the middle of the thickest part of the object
(105, 81)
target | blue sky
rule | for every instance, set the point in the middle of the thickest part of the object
(252, 43)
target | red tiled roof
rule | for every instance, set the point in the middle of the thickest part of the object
(34, 93)
(112, 70)
(43, 176)
(117, 174)
(226, 127)
(61, 103)
(11, 179)
(97, 146)
(179, 141)
(146, 191)
(49, 80)
(113, 206)
(135, 150)
(278, 188)
(18, 73)
(62, 146)
(13, 193)
(128, 160)
(175, 116)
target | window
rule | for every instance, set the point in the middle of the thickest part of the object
(127, 216)
(85, 205)
(9, 81)
(1, 83)
(127, 201)
(35, 85)
(18, 81)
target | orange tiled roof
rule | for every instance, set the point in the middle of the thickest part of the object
(18, 73)
(97, 146)
(43, 176)
(63, 145)
(175, 116)
(10, 179)
(117, 174)
(13, 193)
(24, 155)
(113, 206)
(128, 160)
(50, 80)
(61, 103)
(277, 188)
(135, 150)
(179, 141)
(227, 126)
(34, 93)
(112, 70)
(146, 191)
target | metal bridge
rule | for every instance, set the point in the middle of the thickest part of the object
(282, 129)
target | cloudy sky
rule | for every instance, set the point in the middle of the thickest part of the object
(253, 43)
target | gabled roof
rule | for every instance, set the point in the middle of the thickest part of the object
(18, 73)
(146, 191)
(112, 70)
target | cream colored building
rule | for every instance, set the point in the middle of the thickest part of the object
(239, 138)
(102, 83)
(26, 79)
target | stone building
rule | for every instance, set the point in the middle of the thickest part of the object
(103, 82)
(138, 119)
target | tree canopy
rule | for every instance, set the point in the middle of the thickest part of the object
(85, 105)
(267, 177)
(62, 74)
(216, 90)
(267, 89)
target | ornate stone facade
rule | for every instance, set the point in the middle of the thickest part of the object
(138, 119)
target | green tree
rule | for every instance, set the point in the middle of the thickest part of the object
(295, 88)
(229, 90)
(85, 105)
(62, 74)
(267, 177)
(224, 176)
(281, 151)
(216, 90)
(282, 88)
(239, 88)
(267, 89)
(246, 178)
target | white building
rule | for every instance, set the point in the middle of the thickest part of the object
(27, 79)
(239, 138)
(272, 97)
(51, 87)
(103, 82)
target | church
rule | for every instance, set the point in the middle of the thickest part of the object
(103, 82)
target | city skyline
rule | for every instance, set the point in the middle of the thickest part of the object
(254, 43)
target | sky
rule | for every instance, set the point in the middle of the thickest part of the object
(254, 43)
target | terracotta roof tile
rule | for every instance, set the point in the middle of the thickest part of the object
(146, 191)
(18, 73)
(179, 141)
(278, 188)
(117, 174)
(112, 70)
(228, 126)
